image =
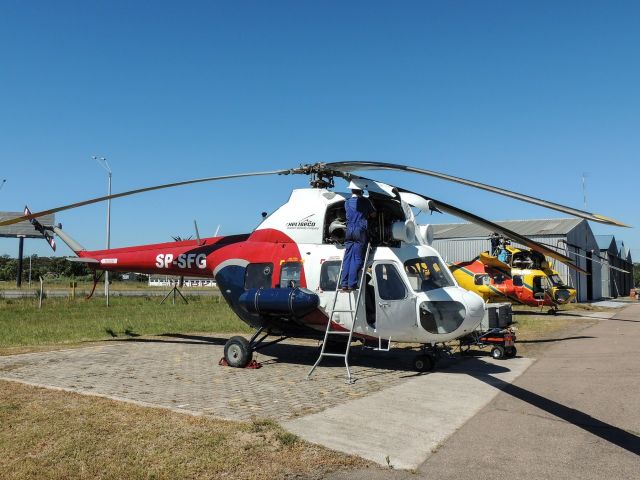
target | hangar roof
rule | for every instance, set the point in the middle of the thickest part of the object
(555, 226)
(605, 241)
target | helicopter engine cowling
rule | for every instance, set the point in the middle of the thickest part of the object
(426, 234)
(403, 231)
(296, 302)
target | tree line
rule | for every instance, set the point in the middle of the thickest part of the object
(46, 267)
(51, 267)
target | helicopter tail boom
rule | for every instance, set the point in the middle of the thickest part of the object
(71, 243)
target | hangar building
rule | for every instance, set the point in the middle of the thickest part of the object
(614, 282)
(464, 241)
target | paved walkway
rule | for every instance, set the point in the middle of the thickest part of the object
(573, 414)
(182, 372)
(400, 426)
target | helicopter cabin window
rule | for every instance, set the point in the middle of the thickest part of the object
(427, 273)
(540, 286)
(329, 275)
(290, 274)
(481, 279)
(258, 275)
(517, 281)
(389, 282)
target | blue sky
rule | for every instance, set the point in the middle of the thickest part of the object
(523, 95)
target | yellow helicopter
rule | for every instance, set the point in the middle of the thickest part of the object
(517, 275)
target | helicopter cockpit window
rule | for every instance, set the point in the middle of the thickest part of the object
(290, 274)
(427, 273)
(258, 275)
(390, 285)
(556, 280)
(517, 281)
(329, 275)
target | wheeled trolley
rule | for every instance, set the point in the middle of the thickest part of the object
(502, 342)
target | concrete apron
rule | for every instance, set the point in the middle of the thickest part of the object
(402, 425)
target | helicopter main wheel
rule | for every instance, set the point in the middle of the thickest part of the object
(237, 352)
(510, 352)
(424, 363)
(498, 352)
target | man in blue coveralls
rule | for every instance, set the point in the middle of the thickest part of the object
(359, 210)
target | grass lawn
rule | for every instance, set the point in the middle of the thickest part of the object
(46, 434)
(63, 321)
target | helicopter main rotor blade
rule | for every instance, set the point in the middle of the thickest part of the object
(139, 190)
(493, 227)
(357, 165)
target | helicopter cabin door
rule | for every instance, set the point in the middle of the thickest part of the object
(395, 303)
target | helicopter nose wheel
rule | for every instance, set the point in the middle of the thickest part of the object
(424, 363)
(238, 352)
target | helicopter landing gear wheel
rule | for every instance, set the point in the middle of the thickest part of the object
(237, 352)
(498, 352)
(510, 352)
(424, 363)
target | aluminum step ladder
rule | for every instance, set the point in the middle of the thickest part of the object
(354, 317)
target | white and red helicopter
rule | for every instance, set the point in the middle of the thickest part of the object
(281, 278)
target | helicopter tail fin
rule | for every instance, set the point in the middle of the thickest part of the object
(45, 231)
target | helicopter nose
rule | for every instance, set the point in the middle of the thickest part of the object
(474, 304)
(562, 296)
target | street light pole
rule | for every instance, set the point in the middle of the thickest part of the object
(102, 161)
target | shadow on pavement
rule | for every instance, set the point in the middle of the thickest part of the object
(546, 340)
(622, 320)
(179, 339)
(605, 431)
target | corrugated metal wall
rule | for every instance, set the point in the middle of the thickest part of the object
(461, 249)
